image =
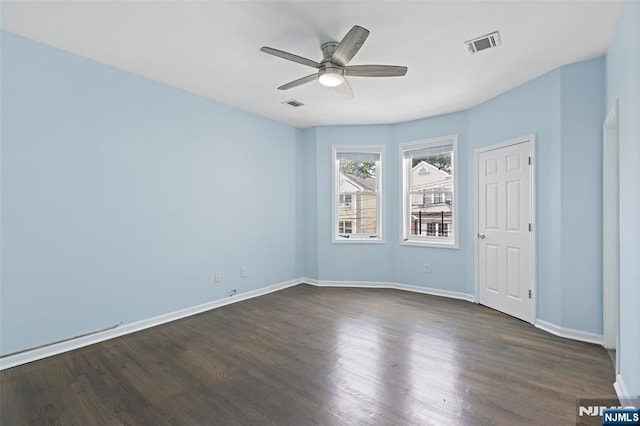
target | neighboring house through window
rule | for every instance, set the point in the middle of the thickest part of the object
(357, 172)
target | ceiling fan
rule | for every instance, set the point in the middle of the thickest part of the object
(333, 68)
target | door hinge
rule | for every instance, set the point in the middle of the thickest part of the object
(529, 294)
(529, 160)
(529, 227)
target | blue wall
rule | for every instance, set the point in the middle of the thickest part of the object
(532, 108)
(565, 110)
(309, 178)
(583, 113)
(121, 197)
(350, 262)
(623, 84)
(448, 267)
(388, 262)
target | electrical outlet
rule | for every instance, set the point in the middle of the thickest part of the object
(426, 269)
(218, 277)
(243, 271)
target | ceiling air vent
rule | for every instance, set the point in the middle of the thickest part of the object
(293, 103)
(484, 42)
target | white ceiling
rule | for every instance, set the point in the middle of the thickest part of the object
(212, 48)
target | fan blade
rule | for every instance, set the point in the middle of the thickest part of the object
(375, 71)
(298, 82)
(349, 46)
(290, 57)
(344, 90)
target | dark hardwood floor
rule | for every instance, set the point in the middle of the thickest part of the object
(306, 356)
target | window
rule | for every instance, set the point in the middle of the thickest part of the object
(345, 200)
(345, 227)
(429, 207)
(357, 172)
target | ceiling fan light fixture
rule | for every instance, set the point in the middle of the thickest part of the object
(333, 69)
(331, 77)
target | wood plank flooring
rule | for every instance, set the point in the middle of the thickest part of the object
(307, 356)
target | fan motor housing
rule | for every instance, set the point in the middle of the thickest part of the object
(327, 49)
(331, 75)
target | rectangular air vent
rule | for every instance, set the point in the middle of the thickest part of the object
(484, 42)
(293, 103)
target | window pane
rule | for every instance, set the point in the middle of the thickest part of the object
(357, 193)
(425, 214)
(361, 213)
(430, 192)
(357, 176)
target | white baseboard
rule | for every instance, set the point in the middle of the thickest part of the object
(68, 345)
(621, 389)
(391, 285)
(569, 333)
(306, 280)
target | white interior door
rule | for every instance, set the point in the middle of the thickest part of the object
(504, 229)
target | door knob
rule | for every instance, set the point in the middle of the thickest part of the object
(481, 236)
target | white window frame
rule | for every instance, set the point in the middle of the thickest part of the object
(405, 169)
(335, 204)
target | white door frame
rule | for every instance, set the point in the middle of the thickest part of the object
(531, 138)
(611, 237)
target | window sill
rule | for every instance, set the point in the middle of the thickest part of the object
(433, 244)
(358, 241)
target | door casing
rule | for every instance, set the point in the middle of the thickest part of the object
(611, 235)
